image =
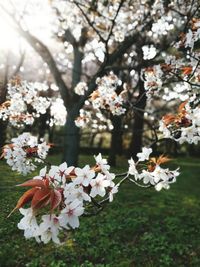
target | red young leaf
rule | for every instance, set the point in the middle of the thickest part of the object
(186, 70)
(162, 159)
(43, 202)
(56, 198)
(46, 182)
(33, 183)
(182, 107)
(169, 118)
(25, 198)
(41, 198)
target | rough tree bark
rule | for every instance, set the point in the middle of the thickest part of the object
(3, 92)
(71, 138)
(116, 140)
(138, 125)
(3, 124)
(72, 132)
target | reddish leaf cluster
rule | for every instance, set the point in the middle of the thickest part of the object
(157, 161)
(178, 119)
(186, 70)
(30, 151)
(194, 23)
(40, 195)
(5, 105)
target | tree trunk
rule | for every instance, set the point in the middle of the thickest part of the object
(72, 132)
(3, 127)
(71, 139)
(51, 134)
(116, 141)
(138, 125)
(42, 125)
(77, 67)
(3, 124)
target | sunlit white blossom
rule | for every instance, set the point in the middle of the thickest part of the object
(144, 155)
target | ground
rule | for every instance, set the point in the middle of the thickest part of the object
(140, 228)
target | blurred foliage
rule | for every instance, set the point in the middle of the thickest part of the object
(140, 228)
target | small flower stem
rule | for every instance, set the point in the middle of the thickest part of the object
(143, 186)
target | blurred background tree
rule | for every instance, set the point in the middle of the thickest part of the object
(67, 42)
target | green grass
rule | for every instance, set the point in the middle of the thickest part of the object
(140, 228)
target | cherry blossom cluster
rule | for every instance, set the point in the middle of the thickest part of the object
(81, 88)
(180, 91)
(95, 121)
(101, 15)
(69, 192)
(185, 69)
(24, 151)
(58, 113)
(149, 52)
(176, 79)
(83, 119)
(152, 174)
(69, 18)
(184, 126)
(189, 39)
(153, 80)
(25, 104)
(105, 96)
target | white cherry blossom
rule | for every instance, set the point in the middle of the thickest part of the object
(59, 173)
(98, 185)
(149, 52)
(29, 224)
(24, 152)
(84, 175)
(113, 191)
(70, 214)
(144, 155)
(190, 132)
(72, 192)
(80, 88)
(22, 96)
(102, 163)
(49, 229)
(132, 167)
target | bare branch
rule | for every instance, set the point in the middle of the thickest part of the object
(113, 24)
(91, 24)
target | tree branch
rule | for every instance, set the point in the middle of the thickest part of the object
(91, 24)
(45, 54)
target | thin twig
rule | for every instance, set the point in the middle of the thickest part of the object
(140, 185)
(91, 24)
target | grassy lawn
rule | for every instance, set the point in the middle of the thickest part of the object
(140, 228)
